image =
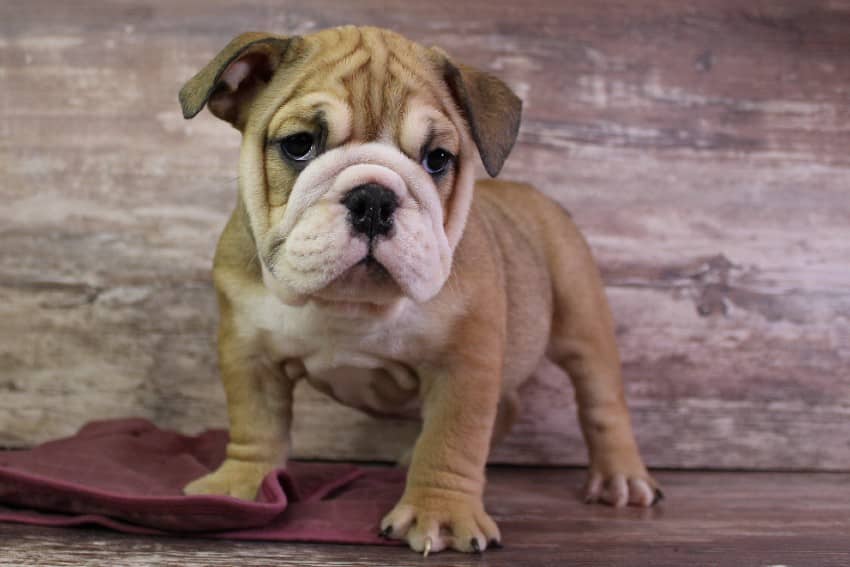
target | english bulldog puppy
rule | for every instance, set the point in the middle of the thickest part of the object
(363, 257)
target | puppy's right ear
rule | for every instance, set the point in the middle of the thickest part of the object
(235, 76)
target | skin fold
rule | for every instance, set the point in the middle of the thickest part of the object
(444, 314)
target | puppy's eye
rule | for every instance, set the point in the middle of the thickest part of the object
(298, 147)
(437, 161)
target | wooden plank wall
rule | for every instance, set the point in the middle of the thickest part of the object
(702, 146)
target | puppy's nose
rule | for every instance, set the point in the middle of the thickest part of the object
(370, 209)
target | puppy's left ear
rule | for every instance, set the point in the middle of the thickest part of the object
(235, 76)
(492, 110)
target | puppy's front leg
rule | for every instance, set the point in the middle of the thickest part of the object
(259, 405)
(442, 504)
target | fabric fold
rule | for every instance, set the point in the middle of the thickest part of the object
(127, 475)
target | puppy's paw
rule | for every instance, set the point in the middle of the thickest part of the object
(432, 520)
(240, 479)
(621, 486)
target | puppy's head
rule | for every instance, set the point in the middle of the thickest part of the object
(357, 160)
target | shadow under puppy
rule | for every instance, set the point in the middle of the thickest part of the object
(363, 257)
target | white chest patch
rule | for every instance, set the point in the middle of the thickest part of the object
(364, 363)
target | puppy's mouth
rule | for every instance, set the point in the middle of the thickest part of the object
(373, 267)
(369, 272)
(366, 283)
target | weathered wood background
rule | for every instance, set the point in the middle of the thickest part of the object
(704, 147)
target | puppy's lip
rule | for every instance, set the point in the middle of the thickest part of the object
(347, 304)
(355, 308)
(365, 286)
(366, 271)
(373, 266)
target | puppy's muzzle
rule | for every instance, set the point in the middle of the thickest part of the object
(371, 208)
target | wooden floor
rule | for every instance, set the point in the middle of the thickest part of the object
(707, 519)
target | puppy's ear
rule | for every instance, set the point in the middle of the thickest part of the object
(492, 110)
(235, 76)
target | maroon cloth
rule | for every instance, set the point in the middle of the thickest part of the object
(127, 475)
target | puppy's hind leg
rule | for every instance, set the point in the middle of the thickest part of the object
(583, 344)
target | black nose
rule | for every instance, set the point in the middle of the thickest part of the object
(370, 209)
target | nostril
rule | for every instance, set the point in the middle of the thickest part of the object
(388, 207)
(359, 208)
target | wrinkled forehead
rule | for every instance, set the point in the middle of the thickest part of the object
(363, 85)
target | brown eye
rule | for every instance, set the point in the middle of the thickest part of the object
(298, 147)
(437, 161)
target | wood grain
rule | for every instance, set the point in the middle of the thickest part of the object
(707, 520)
(702, 146)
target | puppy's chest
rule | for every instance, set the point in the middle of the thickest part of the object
(367, 365)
